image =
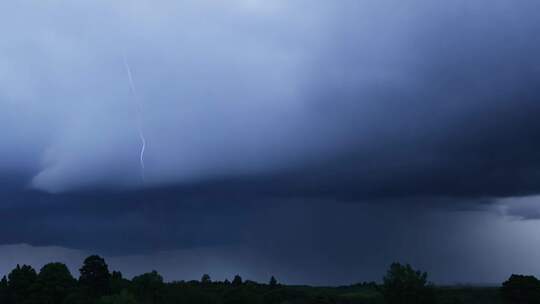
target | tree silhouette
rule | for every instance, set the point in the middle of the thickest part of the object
(4, 290)
(148, 286)
(20, 282)
(273, 282)
(95, 276)
(206, 279)
(55, 283)
(118, 283)
(237, 281)
(520, 289)
(404, 285)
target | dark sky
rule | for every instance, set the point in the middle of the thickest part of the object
(317, 141)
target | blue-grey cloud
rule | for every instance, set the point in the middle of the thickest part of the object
(369, 93)
(249, 105)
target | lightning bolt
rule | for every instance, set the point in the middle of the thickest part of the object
(139, 107)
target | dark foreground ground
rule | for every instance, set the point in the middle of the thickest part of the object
(363, 294)
(371, 294)
(251, 293)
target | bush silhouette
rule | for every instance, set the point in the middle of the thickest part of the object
(520, 289)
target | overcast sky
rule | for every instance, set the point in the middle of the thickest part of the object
(317, 141)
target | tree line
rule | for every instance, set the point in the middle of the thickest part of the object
(54, 284)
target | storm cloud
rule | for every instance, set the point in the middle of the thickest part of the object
(265, 112)
(361, 91)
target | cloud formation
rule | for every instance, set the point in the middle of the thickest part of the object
(301, 111)
(380, 97)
